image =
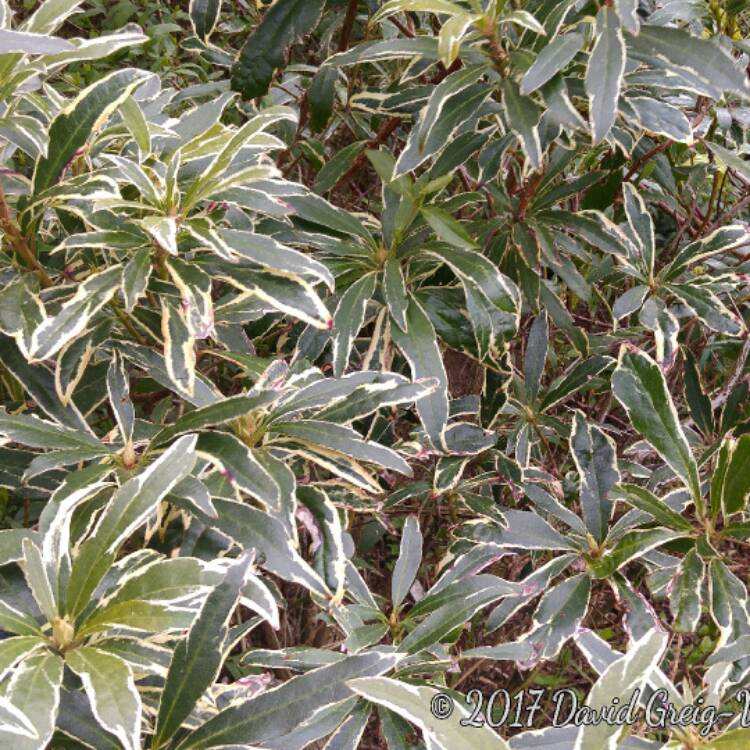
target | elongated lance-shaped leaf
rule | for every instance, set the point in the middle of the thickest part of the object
(604, 73)
(641, 225)
(419, 345)
(72, 319)
(197, 659)
(699, 65)
(264, 49)
(417, 705)
(253, 529)
(179, 348)
(272, 254)
(27, 43)
(348, 319)
(38, 580)
(722, 240)
(239, 466)
(619, 680)
(128, 509)
(595, 457)
(276, 712)
(685, 593)
(523, 118)
(499, 290)
(344, 440)
(535, 356)
(394, 288)
(455, 613)
(75, 123)
(135, 276)
(330, 556)
(557, 617)
(203, 15)
(639, 386)
(34, 690)
(643, 499)
(195, 291)
(40, 433)
(551, 60)
(118, 388)
(110, 687)
(452, 102)
(15, 621)
(214, 414)
(409, 560)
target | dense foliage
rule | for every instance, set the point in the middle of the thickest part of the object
(355, 351)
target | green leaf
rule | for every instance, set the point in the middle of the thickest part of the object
(266, 251)
(89, 298)
(451, 104)
(447, 228)
(137, 124)
(419, 346)
(34, 690)
(734, 739)
(50, 15)
(253, 529)
(218, 413)
(236, 461)
(700, 65)
(15, 621)
(179, 348)
(348, 319)
(39, 433)
(37, 577)
(276, 712)
(109, 685)
(150, 617)
(551, 60)
(74, 125)
(723, 240)
(264, 49)
(197, 659)
(321, 96)
(31, 44)
(595, 458)
(344, 440)
(535, 356)
(13, 650)
(414, 703)
(135, 276)
(685, 593)
(619, 680)
(523, 118)
(409, 559)
(118, 388)
(700, 404)
(604, 73)
(454, 614)
(639, 386)
(394, 288)
(203, 15)
(632, 545)
(643, 499)
(128, 509)
(736, 484)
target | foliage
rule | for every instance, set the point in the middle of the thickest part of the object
(356, 352)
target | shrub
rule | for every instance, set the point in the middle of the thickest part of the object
(357, 356)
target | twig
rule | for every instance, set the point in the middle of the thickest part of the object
(19, 244)
(346, 29)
